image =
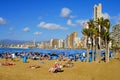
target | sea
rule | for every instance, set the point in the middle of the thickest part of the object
(45, 51)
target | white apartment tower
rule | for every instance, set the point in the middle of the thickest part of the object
(97, 11)
(60, 43)
(51, 40)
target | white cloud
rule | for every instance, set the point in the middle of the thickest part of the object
(51, 26)
(116, 18)
(26, 29)
(37, 33)
(69, 22)
(65, 12)
(81, 22)
(2, 21)
(106, 15)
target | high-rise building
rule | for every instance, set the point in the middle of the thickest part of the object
(84, 38)
(116, 35)
(54, 43)
(44, 45)
(97, 11)
(65, 44)
(97, 15)
(70, 39)
(67, 41)
(51, 40)
(60, 44)
(76, 42)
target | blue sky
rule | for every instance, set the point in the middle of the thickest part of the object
(46, 19)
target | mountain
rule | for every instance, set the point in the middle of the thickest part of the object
(9, 42)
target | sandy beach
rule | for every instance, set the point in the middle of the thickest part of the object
(80, 71)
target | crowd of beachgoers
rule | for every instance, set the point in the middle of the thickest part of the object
(38, 65)
(36, 56)
(41, 56)
(53, 55)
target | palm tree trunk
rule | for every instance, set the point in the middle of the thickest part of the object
(107, 53)
(92, 53)
(87, 54)
(93, 46)
(87, 50)
(97, 55)
(97, 52)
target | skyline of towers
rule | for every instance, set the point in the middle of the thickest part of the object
(72, 41)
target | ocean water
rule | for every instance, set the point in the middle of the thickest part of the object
(45, 51)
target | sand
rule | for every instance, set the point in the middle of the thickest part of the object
(80, 71)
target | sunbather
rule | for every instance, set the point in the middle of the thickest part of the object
(69, 64)
(34, 67)
(56, 68)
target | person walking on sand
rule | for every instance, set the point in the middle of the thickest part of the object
(12, 56)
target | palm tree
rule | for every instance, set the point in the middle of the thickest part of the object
(98, 33)
(98, 25)
(86, 32)
(107, 38)
(92, 35)
(104, 34)
(107, 48)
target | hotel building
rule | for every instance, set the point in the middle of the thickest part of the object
(116, 35)
(71, 39)
(97, 11)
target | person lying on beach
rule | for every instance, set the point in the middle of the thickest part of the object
(56, 68)
(34, 66)
(7, 64)
(62, 58)
(69, 64)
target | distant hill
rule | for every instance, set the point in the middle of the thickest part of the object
(9, 42)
